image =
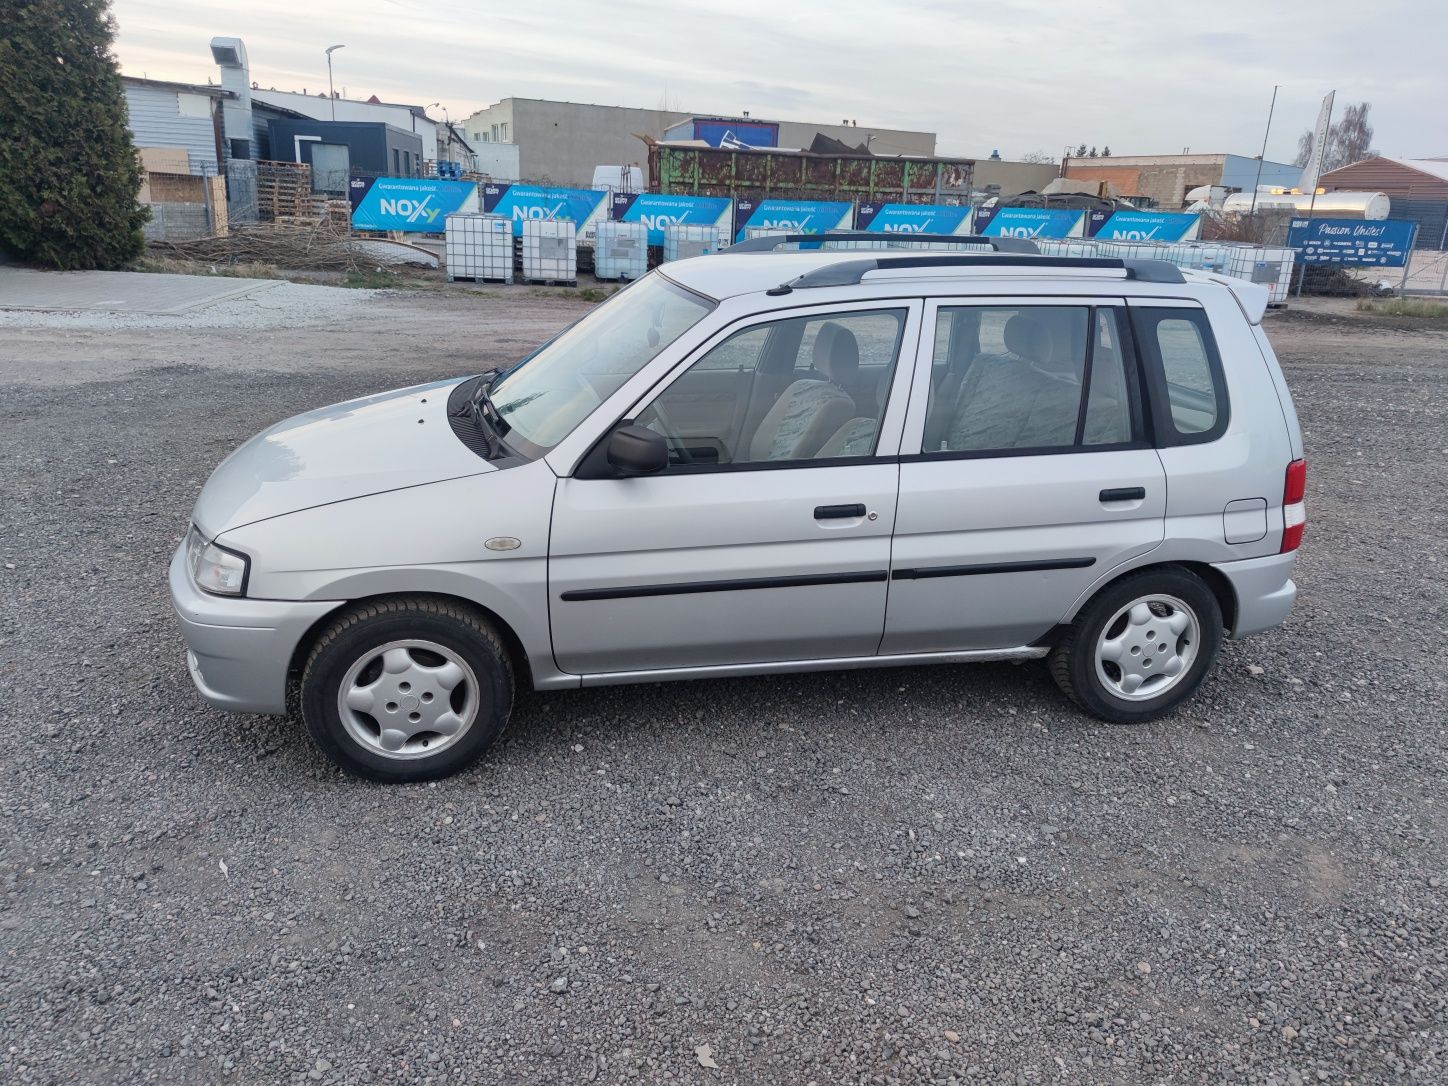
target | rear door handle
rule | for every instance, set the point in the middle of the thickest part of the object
(1124, 494)
(838, 512)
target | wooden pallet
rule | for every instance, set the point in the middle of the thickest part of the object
(284, 190)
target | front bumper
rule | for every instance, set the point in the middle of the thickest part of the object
(239, 650)
(1264, 589)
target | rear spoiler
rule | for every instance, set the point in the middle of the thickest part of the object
(1251, 298)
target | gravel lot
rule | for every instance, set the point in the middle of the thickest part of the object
(926, 875)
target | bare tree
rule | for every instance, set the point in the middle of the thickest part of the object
(1304, 148)
(1039, 158)
(1349, 140)
(1352, 137)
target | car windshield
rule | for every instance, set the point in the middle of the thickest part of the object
(545, 397)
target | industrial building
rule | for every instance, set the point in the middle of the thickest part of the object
(561, 142)
(1416, 187)
(1164, 180)
(336, 150)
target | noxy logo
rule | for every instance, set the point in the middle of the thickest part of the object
(411, 210)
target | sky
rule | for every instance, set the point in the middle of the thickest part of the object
(1139, 76)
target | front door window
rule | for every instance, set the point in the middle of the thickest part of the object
(802, 389)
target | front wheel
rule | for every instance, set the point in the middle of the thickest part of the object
(1141, 647)
(407, 689)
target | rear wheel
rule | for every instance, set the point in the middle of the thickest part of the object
(407, 689)
(1141, 647)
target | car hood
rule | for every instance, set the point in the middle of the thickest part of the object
(366, 446)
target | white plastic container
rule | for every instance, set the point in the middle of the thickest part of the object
(550, 251)
(479, 248)
(621, 250)
(683, 240)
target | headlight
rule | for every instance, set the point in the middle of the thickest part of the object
(214, 568)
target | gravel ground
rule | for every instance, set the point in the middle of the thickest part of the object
(925, 875)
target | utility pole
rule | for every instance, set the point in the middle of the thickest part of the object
(1263, 156)
(331, 94)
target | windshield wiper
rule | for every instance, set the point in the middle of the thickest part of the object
(485, 413)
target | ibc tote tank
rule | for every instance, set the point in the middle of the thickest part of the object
(1329, 205)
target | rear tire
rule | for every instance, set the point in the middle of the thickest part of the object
(407, 689)
(1140, 647)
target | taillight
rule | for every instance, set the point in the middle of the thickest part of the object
(1294, 510)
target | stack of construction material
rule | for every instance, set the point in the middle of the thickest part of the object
(683, 240)
(331, 209)
(284, 191)
(621, 250)
(479, 248)
(550, 251)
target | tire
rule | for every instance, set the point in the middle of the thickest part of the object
(384, 674)
(1100, 685)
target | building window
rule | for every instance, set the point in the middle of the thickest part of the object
(495, 133)
(505, 131)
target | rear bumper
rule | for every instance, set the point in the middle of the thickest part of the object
(239, 650)
(1264, 589)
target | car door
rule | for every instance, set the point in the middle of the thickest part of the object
(1024, 471)
(767, 537)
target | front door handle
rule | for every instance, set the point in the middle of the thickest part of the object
(838, 512)
(1124, 494)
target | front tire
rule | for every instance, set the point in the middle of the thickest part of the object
(408, 689)
(1141, 647)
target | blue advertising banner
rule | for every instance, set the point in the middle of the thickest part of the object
(720, 132)
(913, 218)
(1143, 225)
(1030, 222)
(519, 202)
(416, 204)
(1384, 243)
(796, 216)
(657, 212)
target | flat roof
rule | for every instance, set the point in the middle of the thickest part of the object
(189, 88)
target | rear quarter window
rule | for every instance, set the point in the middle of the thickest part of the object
(1188, 390)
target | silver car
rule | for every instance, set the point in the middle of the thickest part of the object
(766, 462)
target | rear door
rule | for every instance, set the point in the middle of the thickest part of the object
(1025, 473)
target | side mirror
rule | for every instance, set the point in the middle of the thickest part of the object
(637, 450)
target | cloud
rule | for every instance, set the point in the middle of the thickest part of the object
(1019, 75)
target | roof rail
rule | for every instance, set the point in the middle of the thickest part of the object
(851, 272)
(769, 242)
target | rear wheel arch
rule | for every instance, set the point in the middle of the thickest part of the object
(1209, 575)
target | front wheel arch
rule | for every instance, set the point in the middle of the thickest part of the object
(517, 656)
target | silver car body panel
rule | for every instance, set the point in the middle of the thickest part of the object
(239, 650)
(377, 497)
(365, 446)
(841, 663)
(422, 539)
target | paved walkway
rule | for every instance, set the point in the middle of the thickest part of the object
(119, 292)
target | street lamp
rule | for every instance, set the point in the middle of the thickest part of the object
(330, 92)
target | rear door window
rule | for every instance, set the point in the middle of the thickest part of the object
(1016, 380)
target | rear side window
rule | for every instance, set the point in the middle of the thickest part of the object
(1184, 374)
(1011, 380)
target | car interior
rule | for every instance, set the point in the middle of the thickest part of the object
(815, 388)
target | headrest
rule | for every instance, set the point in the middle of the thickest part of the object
(836, 353)
(1028, 337)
